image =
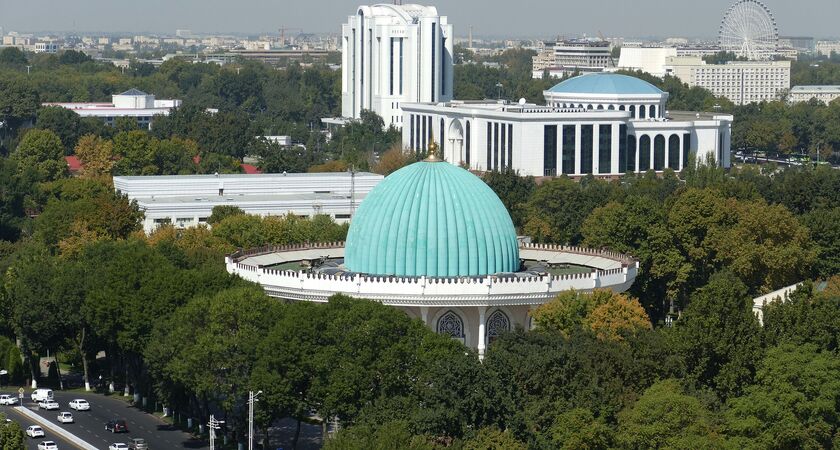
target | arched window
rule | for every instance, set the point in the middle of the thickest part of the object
(659, 152)
(600, 106)
(644, 153)
(611, 107)
(632, 111)
(497, 324)
(588, 106)
(642, 111)
(674, 152)
(621, 107)
(451, 325)
(652, 111)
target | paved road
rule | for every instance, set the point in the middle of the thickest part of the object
(24, 422)
(90, 425)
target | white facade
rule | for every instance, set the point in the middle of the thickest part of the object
(188, 200)
(473, 310)
(742, 82)
(647, 59)
(583, 53)
(392, 54)
(826, 48)
(132, 103)
(45, 47)
(825, 94)
(576, 134)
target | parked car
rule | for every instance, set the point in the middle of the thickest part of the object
(138, 444)
(116, 426)
(65, 417)
(48, 405)
(47, 445)
(118, 446)
(39, 395)
(6, 399)
(34, 431)
(80, 404)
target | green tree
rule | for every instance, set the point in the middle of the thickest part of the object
(222, 212)
(96, 155)
(15, 365)
(493, 439)
(805, 317)
(579, 429)
(13, 56)
(387, 436)
(666, 417)
(135, 150)
(12, 436)
(793, 403)
(513, 190)
(61, 121)
(719, 336)
(824, 226)
(558, 207)
(18, 100)
(43, 150)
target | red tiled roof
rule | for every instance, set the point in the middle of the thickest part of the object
(73, 163)
(250, 169)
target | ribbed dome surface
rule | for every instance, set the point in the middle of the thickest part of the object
(432, 219)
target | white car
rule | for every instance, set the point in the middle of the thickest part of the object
(80, 404)
(65, 417)
(118, 446)
(34, 431)
(6, 399)
(48, 404)
(47, 445)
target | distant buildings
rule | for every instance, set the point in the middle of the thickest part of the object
(800, 43)
(132, 103)
(825, 94)
(188, 200)
(392, 54)
(604, 124)
(826, 48)
(570, 56)
(742, 82)
(647, 59)
(46, 47)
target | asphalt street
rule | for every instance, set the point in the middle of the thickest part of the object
(90, 425)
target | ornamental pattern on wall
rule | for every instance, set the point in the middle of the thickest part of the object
(450, 324)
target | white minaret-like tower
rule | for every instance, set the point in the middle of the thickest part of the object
(393, 54)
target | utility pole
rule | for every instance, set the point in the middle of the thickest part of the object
(214, 425)
(252, 398)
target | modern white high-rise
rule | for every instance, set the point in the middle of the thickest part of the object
(742, 82)
(393, 54)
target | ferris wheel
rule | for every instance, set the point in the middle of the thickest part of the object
(749, 30)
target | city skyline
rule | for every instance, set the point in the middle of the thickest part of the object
(643, 18)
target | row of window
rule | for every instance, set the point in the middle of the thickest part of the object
(420, 132)
(627, 146)
(499, 145)
(644, 110)
(452, 325)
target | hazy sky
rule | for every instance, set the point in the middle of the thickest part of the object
(537, 18)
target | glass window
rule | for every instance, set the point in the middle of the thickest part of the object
(652, 111)
(495, 146)
(686, 148)
(434, 48)
(497, 324)
(586, 144)
(442, 140)
(642, 110)
(632, 111)
(550, 150)
(467, 142)
(604, 148)
(502, 141)
(489, 147)
(411, 131)
(568, 149)
(450, 324)
(622, 148)
(644, 153)
(674, 152)
(510, 145)
(631, 153)
(659, 152)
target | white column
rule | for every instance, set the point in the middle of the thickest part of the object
(681, 149)
(424, 314)
(482, 345)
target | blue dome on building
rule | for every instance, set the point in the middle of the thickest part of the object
(432, 219)
(606, 83)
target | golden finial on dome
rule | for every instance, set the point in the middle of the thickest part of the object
(433, 152)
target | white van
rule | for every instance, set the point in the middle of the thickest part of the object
(39, 395)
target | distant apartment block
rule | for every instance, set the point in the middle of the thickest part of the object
(132, 103)
(45, 47)
(646, 59)
(573, 56)
(826, 48)
(800, 43)
(742, 82)
(825, 94)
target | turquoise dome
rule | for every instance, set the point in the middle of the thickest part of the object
(431, 219)
(606, 83)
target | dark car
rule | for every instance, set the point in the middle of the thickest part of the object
(116, 426)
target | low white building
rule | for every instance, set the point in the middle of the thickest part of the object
(825, 94)
(188, 200)
(742, 82)
(133, 103)
(605, 124)
(647, 59)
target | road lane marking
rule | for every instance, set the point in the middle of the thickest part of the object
(66, 435)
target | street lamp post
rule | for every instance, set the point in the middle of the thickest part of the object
(252, 398)
(499, 85)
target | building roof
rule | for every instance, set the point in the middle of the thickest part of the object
(73, 163)
(432, 219)
(606, 83)
(816, 88)
(250, 169)
(134, 91)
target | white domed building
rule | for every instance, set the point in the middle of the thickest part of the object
(435, 241)
(605, 124)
